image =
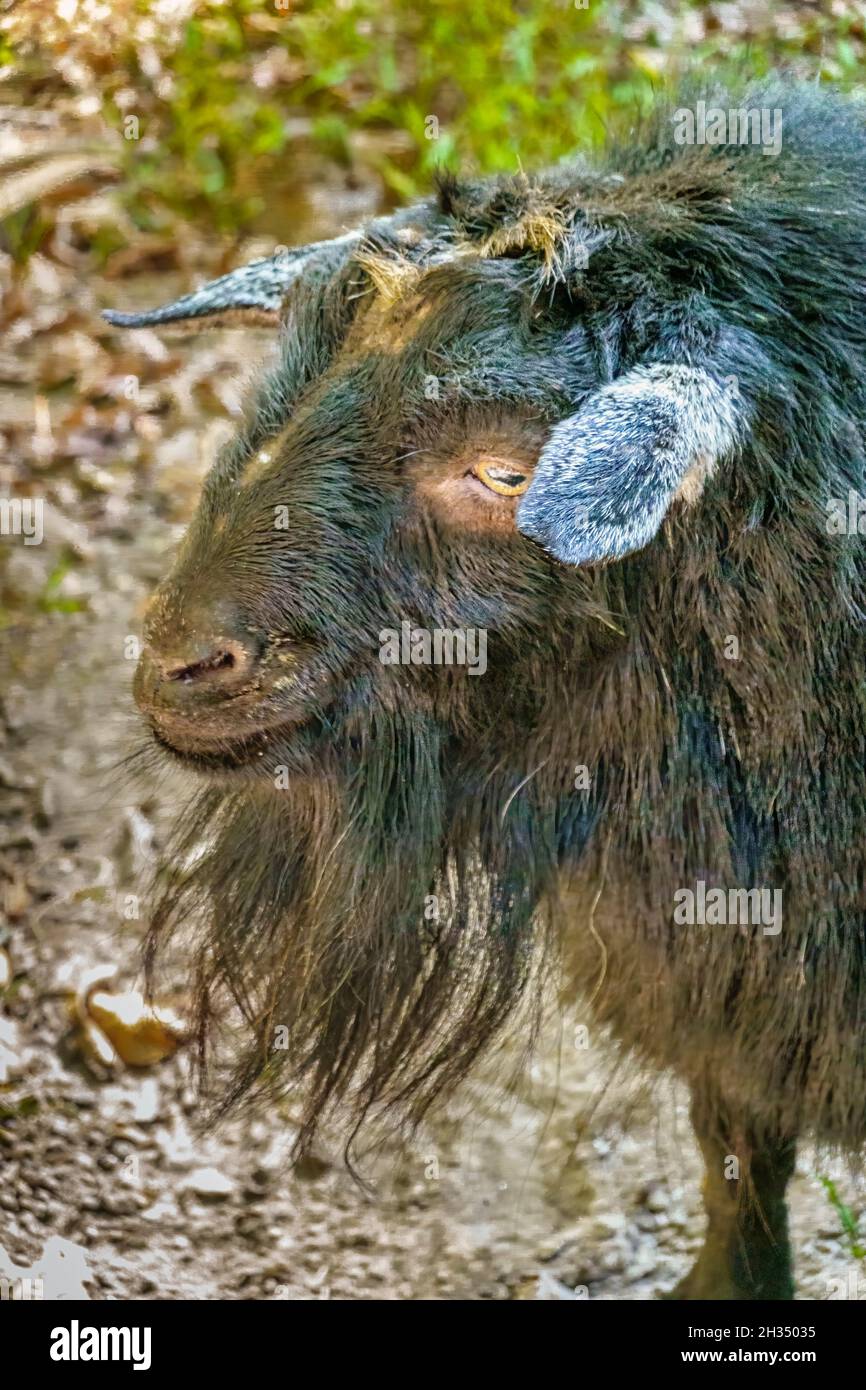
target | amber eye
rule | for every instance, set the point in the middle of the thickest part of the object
(499, 478)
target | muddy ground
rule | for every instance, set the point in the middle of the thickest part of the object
(107, 1183)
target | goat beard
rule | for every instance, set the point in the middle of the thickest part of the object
(363, 936)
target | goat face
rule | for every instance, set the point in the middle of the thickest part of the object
(431, 468)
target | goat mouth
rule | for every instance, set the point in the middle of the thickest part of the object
(219, 753)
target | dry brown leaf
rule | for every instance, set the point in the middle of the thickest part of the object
(139, 1033)
(27, 187)
(96, 1045)
(16, 898)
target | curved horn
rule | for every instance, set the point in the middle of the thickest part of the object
(251, 294)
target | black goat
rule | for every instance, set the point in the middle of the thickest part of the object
(606, 424)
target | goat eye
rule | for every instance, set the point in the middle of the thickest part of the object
(506, 481)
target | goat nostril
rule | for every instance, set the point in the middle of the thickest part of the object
(198, 670)
(223, 667)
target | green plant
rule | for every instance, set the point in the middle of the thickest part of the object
(849, 1222)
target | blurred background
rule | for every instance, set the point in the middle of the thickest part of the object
(146, 145)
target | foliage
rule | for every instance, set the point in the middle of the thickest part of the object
(224, 93)
(847, 1219)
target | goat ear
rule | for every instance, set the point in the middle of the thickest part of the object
(252, 294)
(608, 475)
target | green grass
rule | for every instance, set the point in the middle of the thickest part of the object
(847, 1219)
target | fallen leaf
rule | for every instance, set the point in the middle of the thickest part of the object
(140, 1034)
(96, 1046)
(21, 189)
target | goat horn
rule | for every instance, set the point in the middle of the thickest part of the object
(251, 294)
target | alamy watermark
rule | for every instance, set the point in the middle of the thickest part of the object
(22, 516)
(77, 1343)
(21, 1290)
(846, 516)
(729, 907)
(712, 125)
(852, 1287)
(438, 646)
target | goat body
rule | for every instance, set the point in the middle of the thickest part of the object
(604, 415)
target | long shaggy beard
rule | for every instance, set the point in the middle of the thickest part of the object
(373, 933)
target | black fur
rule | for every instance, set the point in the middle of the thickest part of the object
(406, 782)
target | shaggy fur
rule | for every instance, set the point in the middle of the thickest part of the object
(523, 296)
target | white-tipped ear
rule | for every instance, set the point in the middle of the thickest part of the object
(608, 475)
(253, 293)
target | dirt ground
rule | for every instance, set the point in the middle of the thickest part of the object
(579, 1187)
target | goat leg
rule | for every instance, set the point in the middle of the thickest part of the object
(746, 1252)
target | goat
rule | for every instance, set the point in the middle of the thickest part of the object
(610, 416)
